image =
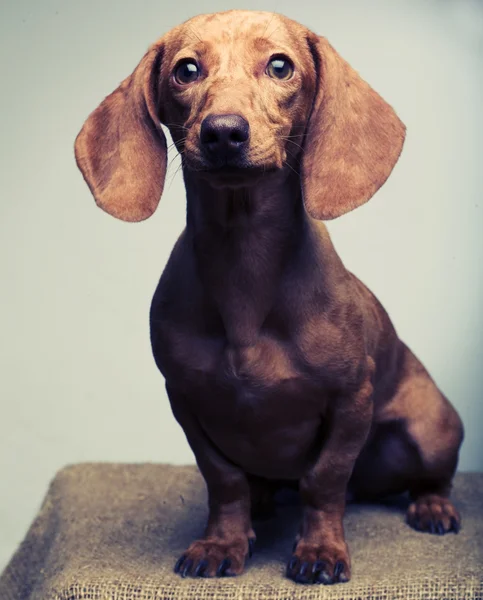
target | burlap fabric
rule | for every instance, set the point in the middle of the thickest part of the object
(113, 532)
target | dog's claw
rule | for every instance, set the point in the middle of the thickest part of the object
(324, 578)
(440, 528)
(293, 561)
(224, 565)
(179, 562)
(187, 568)
(251, 547)
(301, 576)
(339, 567)
(201, 568)
(455, 526)
(318, 566)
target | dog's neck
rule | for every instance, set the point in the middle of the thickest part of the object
(243, 240)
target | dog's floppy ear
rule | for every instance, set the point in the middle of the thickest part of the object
(353, 139)
(121, 149)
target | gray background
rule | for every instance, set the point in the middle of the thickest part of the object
(78, 382)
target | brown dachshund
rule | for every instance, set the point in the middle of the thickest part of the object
(281, 367)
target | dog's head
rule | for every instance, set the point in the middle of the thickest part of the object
(244, 95)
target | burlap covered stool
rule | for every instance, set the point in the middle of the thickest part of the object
(114, 532)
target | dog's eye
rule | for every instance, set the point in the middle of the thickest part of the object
(280, 68)
(186, 72)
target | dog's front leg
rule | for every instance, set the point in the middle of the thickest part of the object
(321, 554)
(229, 536)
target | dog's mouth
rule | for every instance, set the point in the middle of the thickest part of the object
(226, 172)
(231, 177)
(234, 177)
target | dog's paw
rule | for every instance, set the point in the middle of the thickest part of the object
(312, 563)
(433, 514)
(215, 557)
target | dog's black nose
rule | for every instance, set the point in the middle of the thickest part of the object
(224, 134)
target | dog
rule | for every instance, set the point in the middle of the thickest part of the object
(281, 366)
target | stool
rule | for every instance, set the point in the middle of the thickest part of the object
(115, 531)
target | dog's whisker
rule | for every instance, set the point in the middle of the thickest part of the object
(274, 31)
(287, 164)
(294, 143)
(173, 176)
(268, 25)
(176, 125)
(293, 156)
(180, 141)
(195, 34)
(171, 162)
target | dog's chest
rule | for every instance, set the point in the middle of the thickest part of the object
(251, 400)
(266, 363)
(258, 407)
(210, 360)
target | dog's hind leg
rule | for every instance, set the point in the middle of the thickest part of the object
(414, 448)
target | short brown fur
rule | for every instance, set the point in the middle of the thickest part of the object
(280, 365)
